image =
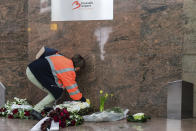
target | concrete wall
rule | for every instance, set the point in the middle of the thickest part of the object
(189, 50)
(13, 47)
(133, 56)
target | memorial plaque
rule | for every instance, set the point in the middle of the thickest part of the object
(179, 100)
(2, 94)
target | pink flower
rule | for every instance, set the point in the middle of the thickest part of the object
(10, 116)
(15, 111)
(27, 113)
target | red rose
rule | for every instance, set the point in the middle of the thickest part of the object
(42, 113)
(15, 111)
(63, 119)
(27, 113)
(62, 124)
(10, 116)
(65, 111)
(51, 114)
(56, 119)
(62, 114)
(58, 109)
(67, 116)
(3, 109)
(73, 123)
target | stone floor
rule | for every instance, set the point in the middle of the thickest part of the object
(156, 124)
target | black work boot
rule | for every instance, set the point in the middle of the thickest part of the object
(36, 115)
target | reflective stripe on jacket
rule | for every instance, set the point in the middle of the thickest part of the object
(64, 74)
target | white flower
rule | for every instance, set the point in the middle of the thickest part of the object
(73, 106)
(138, 116)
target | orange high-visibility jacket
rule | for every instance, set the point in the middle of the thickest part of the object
(64, 74)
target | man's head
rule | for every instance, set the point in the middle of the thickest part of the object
(78, 62)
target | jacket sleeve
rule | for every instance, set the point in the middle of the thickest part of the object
(72, 88)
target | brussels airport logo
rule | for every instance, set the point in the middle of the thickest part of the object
(82, 4)
(76, 5)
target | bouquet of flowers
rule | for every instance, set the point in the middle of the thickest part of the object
(19, 108)
(67, 114)
(138, 117)
(103, 99)
(73, 106)
(63, 117)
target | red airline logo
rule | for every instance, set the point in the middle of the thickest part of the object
(76, 5)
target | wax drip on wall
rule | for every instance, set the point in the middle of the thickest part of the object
(102, 35)
(45, 6)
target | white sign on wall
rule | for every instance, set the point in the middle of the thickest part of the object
(72, 10)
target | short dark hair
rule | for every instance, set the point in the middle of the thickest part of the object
(78, 61)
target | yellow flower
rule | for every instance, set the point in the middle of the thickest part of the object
(106, 95)
(88, 101)
(101, 92)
